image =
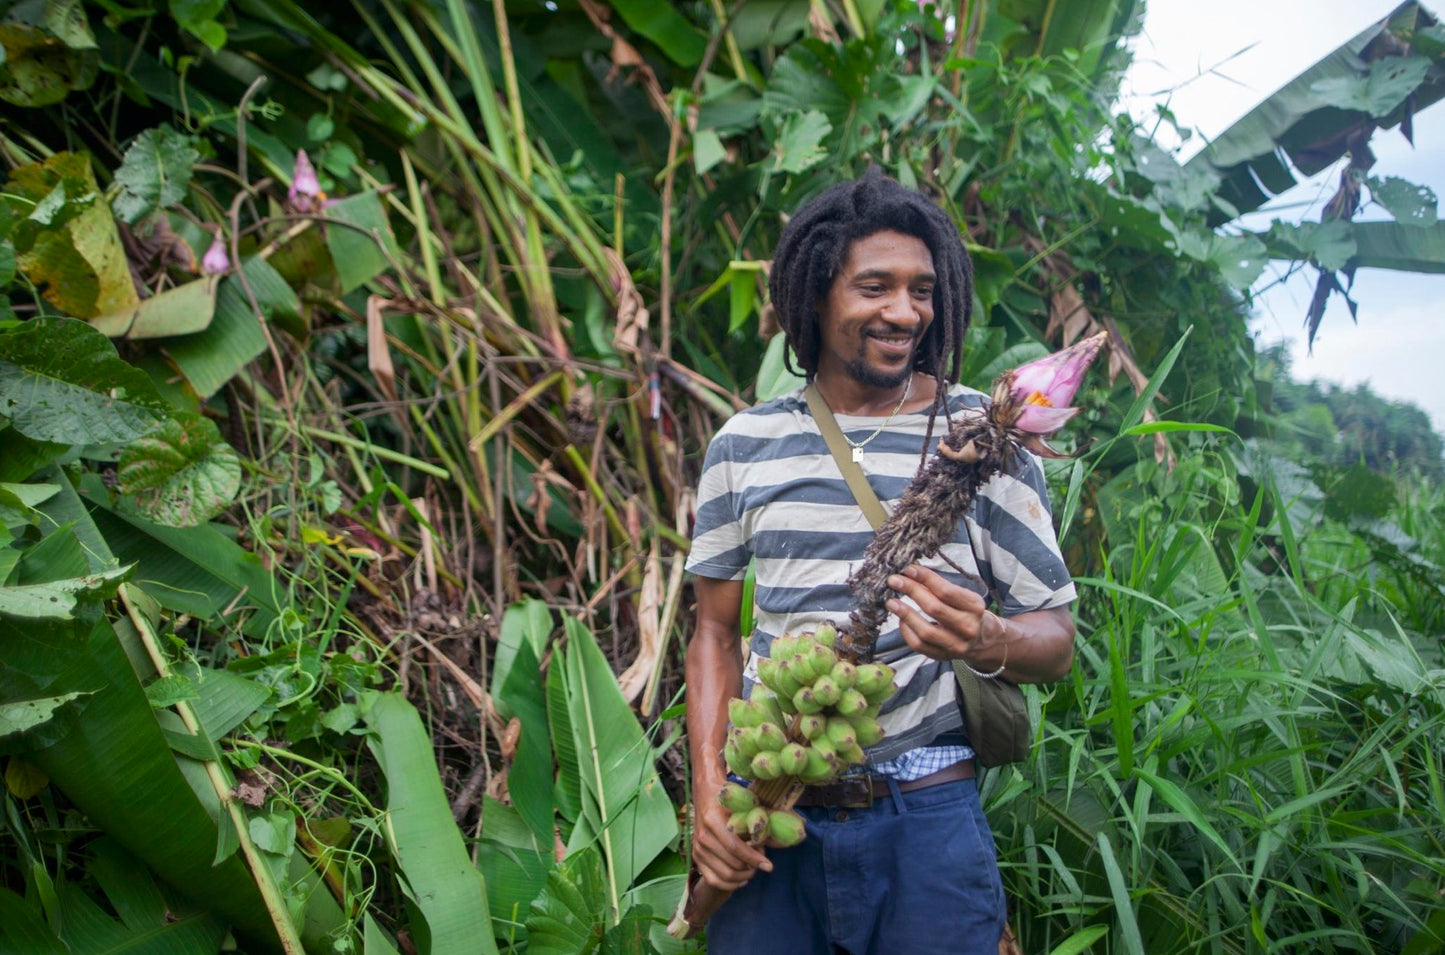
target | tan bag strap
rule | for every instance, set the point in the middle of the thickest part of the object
(852, 473)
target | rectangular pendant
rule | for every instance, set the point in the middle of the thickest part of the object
(857, 455)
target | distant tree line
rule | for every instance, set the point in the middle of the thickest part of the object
(1340, 426)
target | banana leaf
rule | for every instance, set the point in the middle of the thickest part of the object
(517, 689)
(1301, 127)
(439, 879)
(625, 809)
(1403, 248)
(114, 763)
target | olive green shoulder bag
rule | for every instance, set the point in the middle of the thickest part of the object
(993, 710)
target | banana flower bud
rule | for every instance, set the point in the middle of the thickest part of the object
(216, 261)
(305, 195)
(1041, 390)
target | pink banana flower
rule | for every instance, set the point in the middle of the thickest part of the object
(216, 261)
(1042, 389)
(305, 195)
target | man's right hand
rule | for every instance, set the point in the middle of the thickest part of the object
(724, 861)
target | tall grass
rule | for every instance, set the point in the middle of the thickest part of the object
(1241, 762)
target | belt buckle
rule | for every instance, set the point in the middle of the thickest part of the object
(855, 792)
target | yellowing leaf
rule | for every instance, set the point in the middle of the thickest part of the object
(24, 779)
(315, 535)
(72, 252)
(183, 310)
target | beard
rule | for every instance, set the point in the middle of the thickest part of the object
(863, 373)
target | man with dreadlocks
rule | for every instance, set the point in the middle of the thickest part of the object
(873, 289)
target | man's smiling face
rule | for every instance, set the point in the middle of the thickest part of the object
(877, 309)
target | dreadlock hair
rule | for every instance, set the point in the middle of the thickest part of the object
(812, 248)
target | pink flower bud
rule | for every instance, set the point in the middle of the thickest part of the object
(216, 260)
(305, 195)
(1042, 389)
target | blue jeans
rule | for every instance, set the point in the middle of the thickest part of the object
(914, 874)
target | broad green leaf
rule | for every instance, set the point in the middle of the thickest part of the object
(7, 263)
(529, 780)
(23, 930)
(767, 23)
(567, 918)
(86, 928)
(1404, 248)
(742, 297)
(1240, 259)
(127, 884)
(567, 793)
(184, 310)
(182, 474)
(663, 24)
(224, 699)
(1186, 186)
(18, 504)
(198, 17)
(1330, 244)
(62, 381)
(513, 868)
(274, 833)
(517, 688)
(235, 337)
(9, 557)
(661, 893)
(1408, 202)
(800, 141)
(154, 173)
(22, 457)
(66, 510)
(1359, 492)
(632, 934)
(320, 126)
(170, 690)
(56, 599)
(48, 51)
(20, 715)
(436, 872)
(58, 555)
(1382, 87)
(707, 150)
(75, 257)
(527, 622)
(774, 379)
(624, 802)
(374, 941)
(364, 247)
(116, 767)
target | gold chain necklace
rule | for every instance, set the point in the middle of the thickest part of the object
(857, 446)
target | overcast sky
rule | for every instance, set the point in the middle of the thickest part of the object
(1212, 63)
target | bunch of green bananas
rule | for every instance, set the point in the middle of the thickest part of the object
(811, 718)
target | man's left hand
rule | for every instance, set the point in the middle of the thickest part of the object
(950, 622)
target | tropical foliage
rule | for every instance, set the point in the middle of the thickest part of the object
(345, 498)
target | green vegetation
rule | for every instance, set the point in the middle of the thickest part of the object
(343, 505)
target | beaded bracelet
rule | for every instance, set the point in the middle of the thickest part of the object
(989, 676)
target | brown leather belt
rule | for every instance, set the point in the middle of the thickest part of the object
(859, 792)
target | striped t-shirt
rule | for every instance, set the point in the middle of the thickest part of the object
(771, 491)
